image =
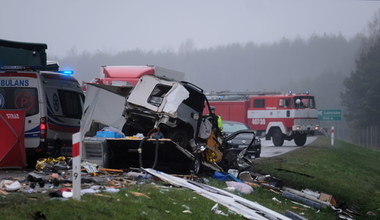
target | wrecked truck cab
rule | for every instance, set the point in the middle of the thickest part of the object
(167, 124)
(170, 109)
(180, 111)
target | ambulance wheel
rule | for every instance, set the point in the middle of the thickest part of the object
(277, 137)
(300, 139)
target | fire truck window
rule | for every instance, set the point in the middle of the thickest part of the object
(287, 103)
(259, 103)
(281, 102)
(284, 103)
(304, 102)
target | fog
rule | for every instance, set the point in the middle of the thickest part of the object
(148, 25)
(238, 45)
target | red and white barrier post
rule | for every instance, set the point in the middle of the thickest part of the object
(332, 135)
(76, 164)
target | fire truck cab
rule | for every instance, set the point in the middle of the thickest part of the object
(278, 116)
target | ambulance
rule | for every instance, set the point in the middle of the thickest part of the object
(52, 99)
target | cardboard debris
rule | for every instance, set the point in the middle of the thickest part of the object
(138, 194)
(327, 198)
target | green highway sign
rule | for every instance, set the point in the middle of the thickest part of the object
(330, 115)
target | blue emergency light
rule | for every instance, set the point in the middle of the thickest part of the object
(66, 72)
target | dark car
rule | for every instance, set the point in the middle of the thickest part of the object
(239, 135)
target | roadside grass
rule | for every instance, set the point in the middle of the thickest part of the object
(157, 202)
(348, 172)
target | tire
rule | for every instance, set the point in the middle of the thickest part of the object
(196, 165)
(300, 139)
(277, 137)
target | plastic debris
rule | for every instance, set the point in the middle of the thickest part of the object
(240, 187)
(276, 200)
(52, 164)
(90, 167)
(233, 172)
(225, 176)
(215, 209)
(10, 186)
(187, 209)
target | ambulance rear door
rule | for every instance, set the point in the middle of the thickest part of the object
(20, 90)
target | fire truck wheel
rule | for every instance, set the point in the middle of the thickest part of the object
(300, 139)
(277, 137)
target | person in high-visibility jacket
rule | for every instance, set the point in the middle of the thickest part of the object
(219, 120)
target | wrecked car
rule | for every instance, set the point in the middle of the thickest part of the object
(244, 137)
(166, 123)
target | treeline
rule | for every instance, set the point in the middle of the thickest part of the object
(318, 64)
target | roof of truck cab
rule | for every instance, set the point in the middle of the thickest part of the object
(23, 45)
(127, 71)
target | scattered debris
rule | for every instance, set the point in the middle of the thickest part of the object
(54, 177)
(369, 213)
(309, 197)
(52, 164)
(225, 176)
(215, 209)
(240, 187)
(10, 186)
(303, 200)
(246, 208)
(138, 194)
(294, 216)
(276, 200)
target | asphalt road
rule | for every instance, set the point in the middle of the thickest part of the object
(269, 150)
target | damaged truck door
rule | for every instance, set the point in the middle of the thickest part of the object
(165, 126)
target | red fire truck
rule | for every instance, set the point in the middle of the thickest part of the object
(273, 115)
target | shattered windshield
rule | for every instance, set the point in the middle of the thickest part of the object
(158, 94)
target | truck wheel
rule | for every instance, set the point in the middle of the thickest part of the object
(300, 139)
(277, 137)
(196, 164)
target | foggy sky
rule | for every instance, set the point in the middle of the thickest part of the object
(152, 25)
